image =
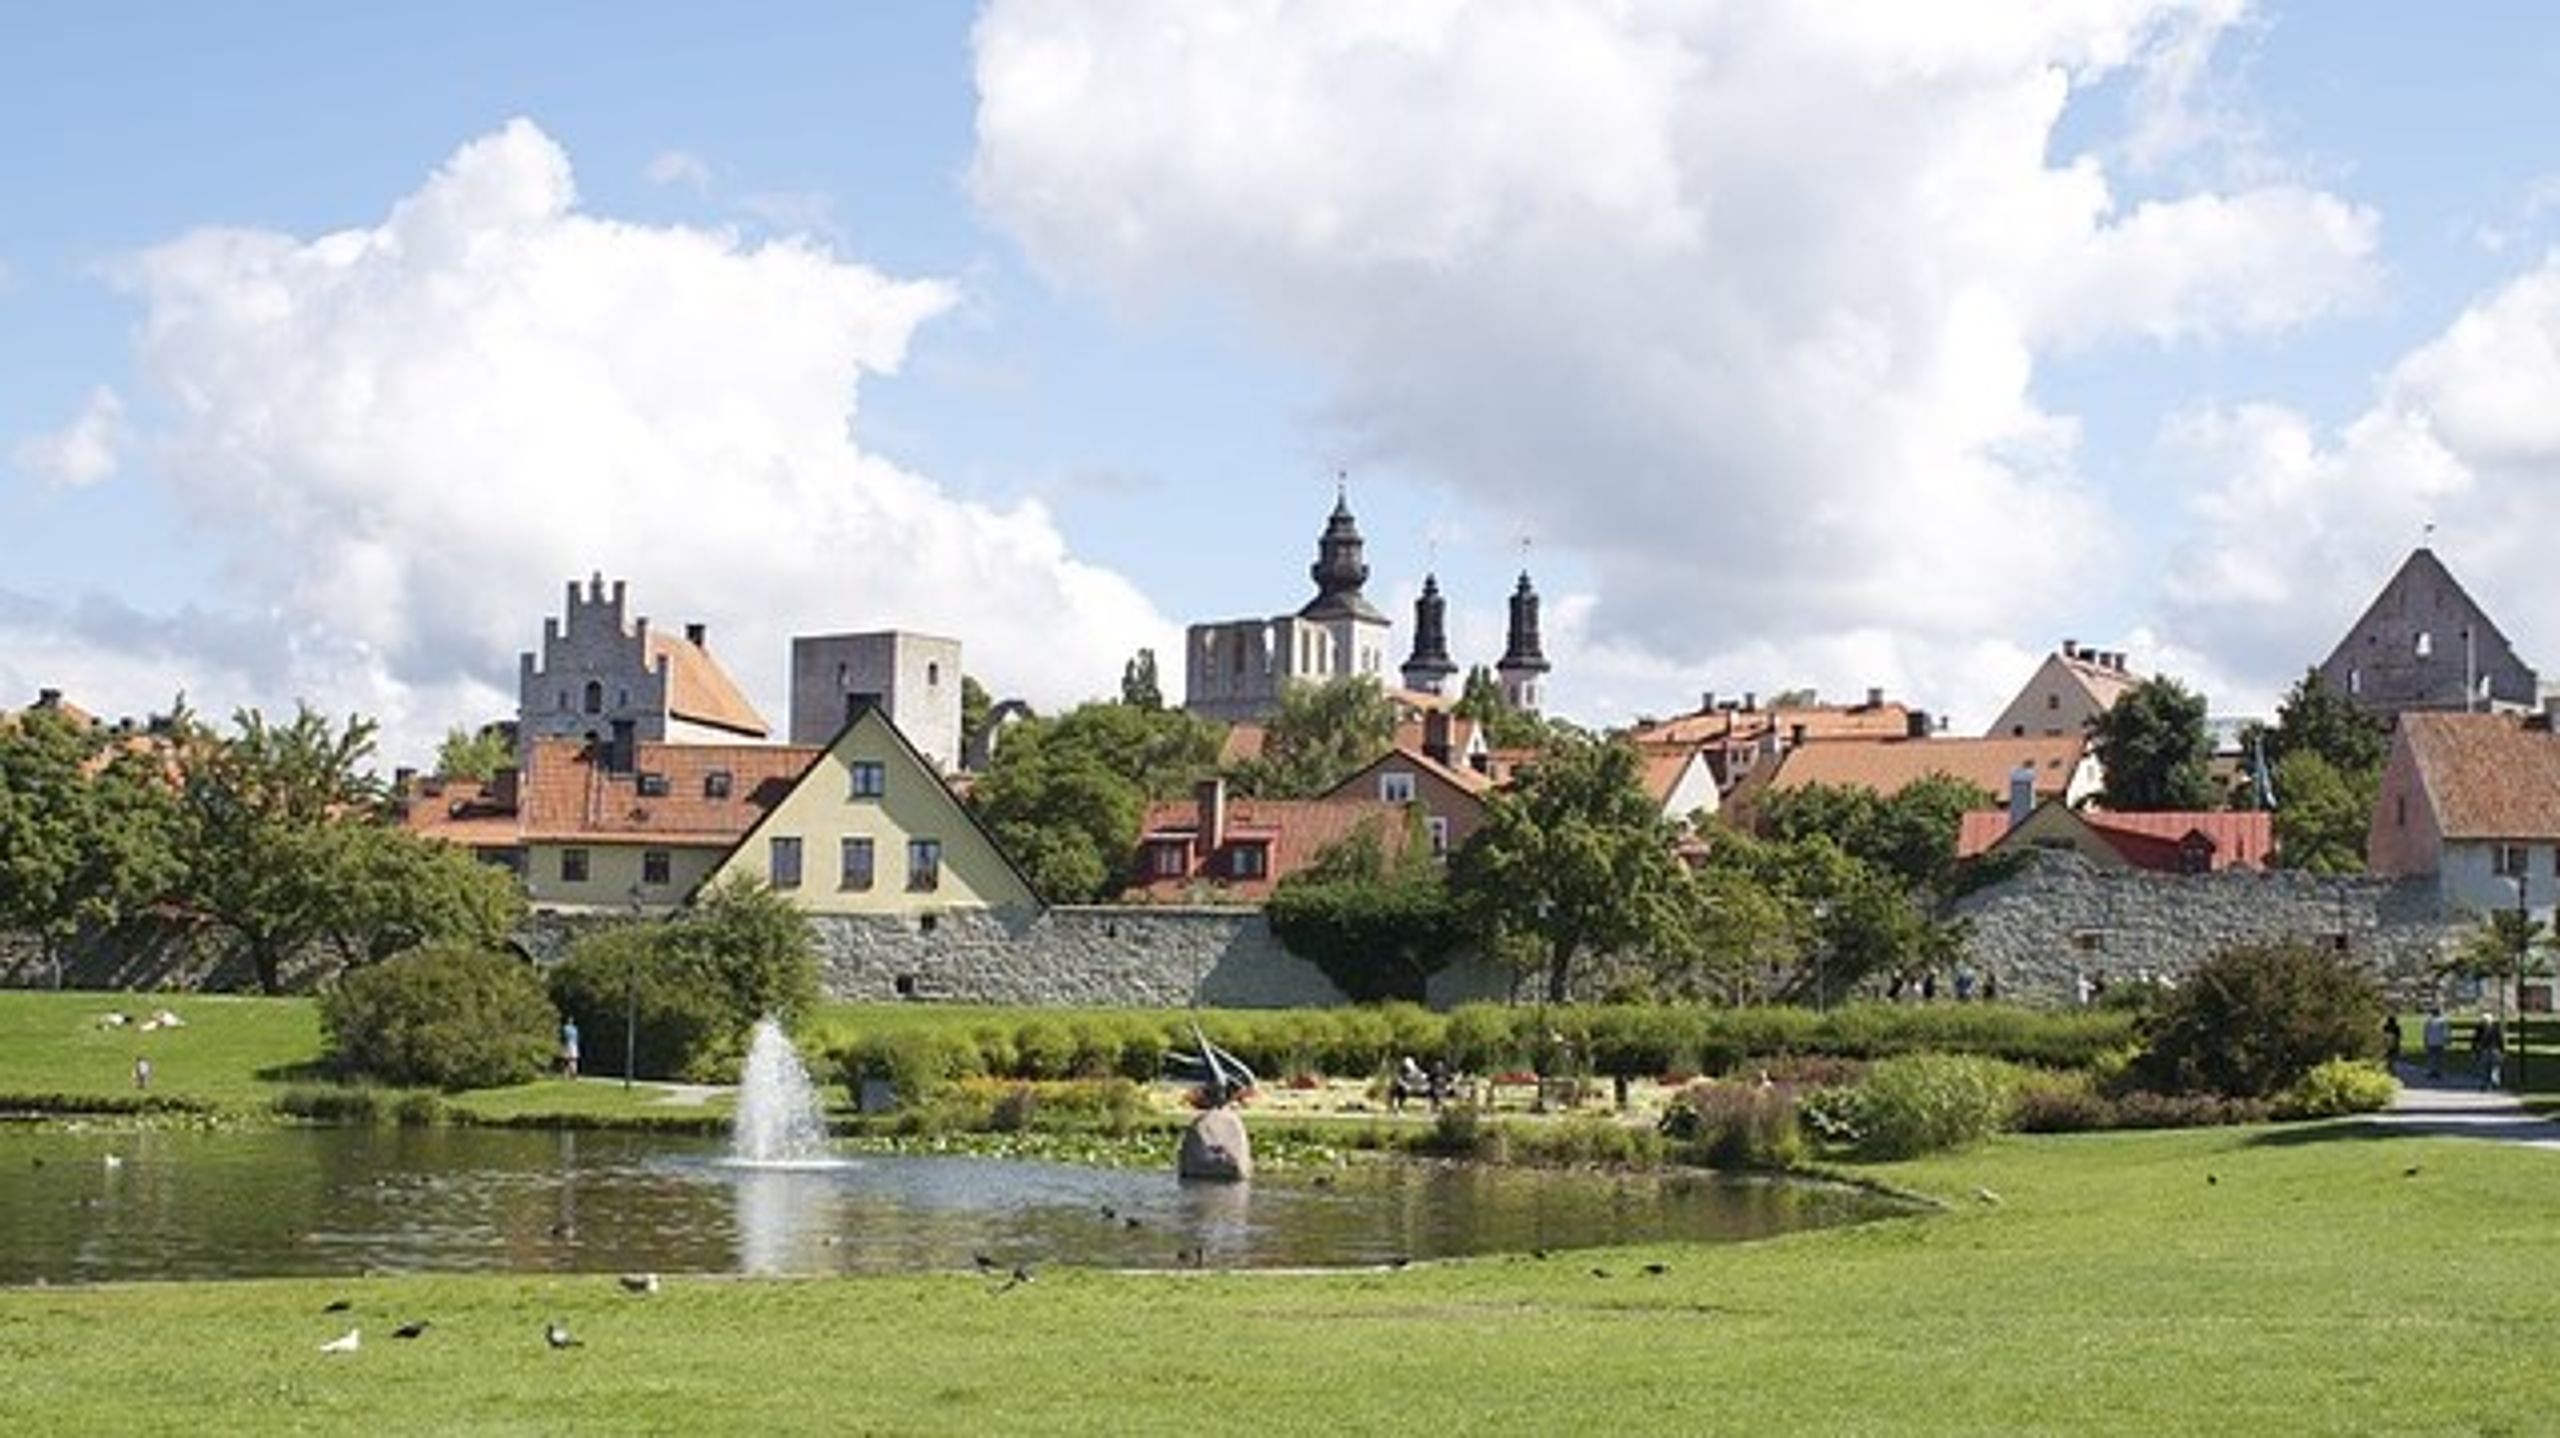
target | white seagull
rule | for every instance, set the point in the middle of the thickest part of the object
(353, 1340)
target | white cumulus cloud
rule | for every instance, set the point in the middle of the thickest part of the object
(1742, 304)
(82, 452)
(2294, 528)
(403, 438)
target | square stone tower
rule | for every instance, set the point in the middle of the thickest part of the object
(913, 678)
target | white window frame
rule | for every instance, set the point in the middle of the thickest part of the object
(1396, 786)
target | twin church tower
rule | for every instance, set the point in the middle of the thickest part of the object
(1236, 669)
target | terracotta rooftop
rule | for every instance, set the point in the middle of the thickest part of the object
(1663, 766)
(1466, 781)
(1888, 766)
(1296, 830)
(568, 794)
(460, 811)
(2487, 775)
(2241, 839)
(1243, 741)
(700, 691)
(1819, 721)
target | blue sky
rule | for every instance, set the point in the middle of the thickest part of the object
(1187, 262)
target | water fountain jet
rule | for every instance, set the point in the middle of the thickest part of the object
(779, 1123)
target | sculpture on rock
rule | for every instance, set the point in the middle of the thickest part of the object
(1215, 1146)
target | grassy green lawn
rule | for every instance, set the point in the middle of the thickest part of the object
(2256, 1280)
(234, 1053)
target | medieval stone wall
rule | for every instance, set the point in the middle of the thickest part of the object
(2062, 917)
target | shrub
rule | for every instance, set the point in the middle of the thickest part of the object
(450, 1018)
(1736, 1125)
(1924, 1103)
(2145, 1109)
(1585, 1139)
(917, 1063)
(2339, 1086)
(2253, 1021)
(2051, 1102)
(1483, 1038)
(700, 980)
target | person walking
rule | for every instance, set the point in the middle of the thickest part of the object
(2489, 1051)
(568, 1048)
(2391, 1041)
(2437, 1035)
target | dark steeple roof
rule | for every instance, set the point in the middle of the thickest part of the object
(1339, 571)
(1430, 664)
(2425, 643)
(1522, 650)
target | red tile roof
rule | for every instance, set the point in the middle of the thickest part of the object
(1819, 721)
(699, 690)
(2488, 776)
(1887, 767)
(569, 795)
(1663, 766)
(1294, 832)
(460, 811)
(2156, 840)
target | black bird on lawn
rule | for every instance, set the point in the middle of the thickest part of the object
(337, 1305)
(1656, 1270)
(1021, 1275)
(1400, 1261)
(559, 1337)
(411, 1330)
(985, 1264)
(1599, 1273)
(1130, 1223)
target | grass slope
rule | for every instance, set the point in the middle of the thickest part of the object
(2312, 1288)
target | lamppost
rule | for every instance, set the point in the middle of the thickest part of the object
(2524, 947)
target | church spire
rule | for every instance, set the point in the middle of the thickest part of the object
(1340, 569)
(1430, 666)
(1524, 661)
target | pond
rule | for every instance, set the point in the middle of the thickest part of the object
(90, 1206)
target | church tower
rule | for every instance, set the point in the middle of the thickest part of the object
(1524, 662)
(1357, 630)
(1430, 667)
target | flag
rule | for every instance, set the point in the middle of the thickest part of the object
(2259, 774)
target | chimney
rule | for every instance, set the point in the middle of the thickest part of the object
(48, 699)
(698, 634)
(504, 787)
(1795, 736)
(1750, 700)
(1213, 815)
(1436, 745)
(2070, 648)
(1875, 697)
(2022, 794)
(1707, 702)
(401, 779)
(1915, 725)
(622, 754)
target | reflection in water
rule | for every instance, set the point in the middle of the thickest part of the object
(338, 1201)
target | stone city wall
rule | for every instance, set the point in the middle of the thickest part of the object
(2061, 917)
(153, 957)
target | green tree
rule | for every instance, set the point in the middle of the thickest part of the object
(451, 1016)
(474, 756)
(1911, 835)
(1321, 736)
(261, 813)
(975, 709)
(1138, 686)
(2251, 1021)
(87, 831)
(1064, 796)
(1378, 922)
(691, 988)
(396, 891)
(2322, 814)
(2315, 719)
(2155, 749)
(1574, 858)
(1505, 727)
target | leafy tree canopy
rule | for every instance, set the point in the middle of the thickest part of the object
(1505, 727)
(1065, 795)
(975, 710)
(1911, 835)
(2322, 813)
(2155, 749)
(2315, 719)
(1139, 688)
(1321, 736)
(476, 757)
(88, 831)
(1378, 921)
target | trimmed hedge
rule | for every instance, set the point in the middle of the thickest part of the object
(1608, 1041)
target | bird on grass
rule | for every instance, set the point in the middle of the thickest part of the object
(984, 1263)
(1599, 1273)
(412, 1330)
(1131, 1223)
(1539, 1254)
(639, 1283)
(2410, 1172)
(2211, 1179)
(1109, 1213)
(559, 1337)
(1021, 1275)
(348, 1342)
(1656, 1270)
(112, 1161)
(1987, 1196)
(337, 1305)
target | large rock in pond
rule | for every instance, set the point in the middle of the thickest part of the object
(1215, 1147)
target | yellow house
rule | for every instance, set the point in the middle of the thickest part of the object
(871, 828)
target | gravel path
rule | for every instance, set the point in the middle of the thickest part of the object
(2464, 1110)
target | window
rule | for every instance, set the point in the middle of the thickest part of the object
(2400, 811)
(573, 866)
(1248, 861)
(2512, 859)
(715, 785)
(2355, 681)
(2426, 644)
(2052, 701)
(653, 786)
(1395, 787)
(870, 778)
(595, 697)
(857, 865)
(564, 701)
(785, 863)
(924, 865)
(1168, 860)
(1439, 828)
(653, 867)
(932, 675)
